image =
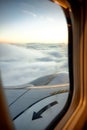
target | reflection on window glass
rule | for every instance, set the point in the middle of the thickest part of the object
(34, 61)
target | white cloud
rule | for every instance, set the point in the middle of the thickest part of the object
(51, 20)
(29, 12)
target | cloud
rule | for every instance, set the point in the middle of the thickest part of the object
(29, 12)
(51, 19)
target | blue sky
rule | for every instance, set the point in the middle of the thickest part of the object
(32, 21)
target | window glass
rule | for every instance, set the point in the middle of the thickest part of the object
(34, 61)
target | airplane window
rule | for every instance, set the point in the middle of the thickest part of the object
(34, 61)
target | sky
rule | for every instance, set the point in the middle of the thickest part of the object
(32, 21)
